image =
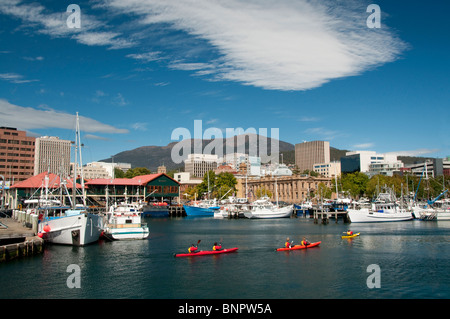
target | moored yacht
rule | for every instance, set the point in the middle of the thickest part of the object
(124, 221)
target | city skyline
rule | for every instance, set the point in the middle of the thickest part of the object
(137, 70)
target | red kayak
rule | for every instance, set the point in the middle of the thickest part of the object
(297, 247)
(207, 252)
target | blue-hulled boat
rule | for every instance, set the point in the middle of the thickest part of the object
(202, 208)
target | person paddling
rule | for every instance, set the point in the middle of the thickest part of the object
(217, 247)
(287, 244)
(305, 242)
(193, 248)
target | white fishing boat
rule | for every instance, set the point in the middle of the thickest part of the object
(124, 222)
(384, 209)
(263, 208)
(75, 227)
(69, 226)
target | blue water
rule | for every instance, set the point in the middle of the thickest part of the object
(413, 258)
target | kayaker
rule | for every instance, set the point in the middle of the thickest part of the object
(287, 244)
(305, 242)
(217, 247)
(192, 249)
(349, 232)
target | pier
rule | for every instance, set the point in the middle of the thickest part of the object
(323, 216)
(176, 211)
(17, 240)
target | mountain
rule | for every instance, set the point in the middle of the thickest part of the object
(153, 156)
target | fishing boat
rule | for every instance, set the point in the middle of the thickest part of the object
(73, 225)
(383, 209)
(201, 208)
(124, 222)
(264, 209)
(156, 209)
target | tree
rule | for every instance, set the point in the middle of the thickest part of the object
(137, 171)
(219, 185)
(323, 190)
(355, 183)
(262, 191)
(118, 173)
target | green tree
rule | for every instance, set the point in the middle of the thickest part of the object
(118, 173)
(323, 190)
(262, 191)
(355, 183)
(137, 171)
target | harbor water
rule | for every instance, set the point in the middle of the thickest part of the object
(412, 257)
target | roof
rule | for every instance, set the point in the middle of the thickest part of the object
(135, 181)
(37, 181)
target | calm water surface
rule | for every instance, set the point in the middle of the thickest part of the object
(414, 259)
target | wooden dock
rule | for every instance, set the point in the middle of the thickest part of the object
(176, 211)
(323, 216)
(17, 241)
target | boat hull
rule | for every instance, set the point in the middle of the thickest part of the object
(209, 252)
(198, 211)
(366, 216)
(351, 236)
(283, 212)
(152, 211)
(77, 230)
(298, 247)
(133, 233)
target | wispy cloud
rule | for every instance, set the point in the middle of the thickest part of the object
(146, 57)
(14, 78)
(13, 116)
(418, 152)
(308, 119)
(363, 146)
(37, 17)
(280, 45)
(324, 133)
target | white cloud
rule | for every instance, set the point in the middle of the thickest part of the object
(145, 57)
(418, 152)
(14, 78)
(28, 118)
(37, 17)
(281, 45)
(363, 146)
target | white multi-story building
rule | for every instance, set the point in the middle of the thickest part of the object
(52, 155)
(370, 162)
(331, 169)
(199, 164)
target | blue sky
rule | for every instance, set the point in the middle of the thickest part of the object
(137, 70)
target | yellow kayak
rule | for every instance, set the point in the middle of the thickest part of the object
(351, 236)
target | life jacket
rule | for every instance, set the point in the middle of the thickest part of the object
(192, 249)
(217, 247)
(287, 245)
(349, 233)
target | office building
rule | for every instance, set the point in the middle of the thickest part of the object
(309, 153)
(199, 164)
(16, 154)
(370, 162)
(52, 155)
(331, 169)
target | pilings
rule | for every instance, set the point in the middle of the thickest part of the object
(176, 211)
(17, 240)
(323, 216)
